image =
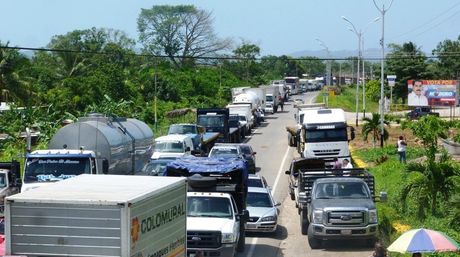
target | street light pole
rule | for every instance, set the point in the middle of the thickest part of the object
(359, 34)
(328, 63)
(382, 63)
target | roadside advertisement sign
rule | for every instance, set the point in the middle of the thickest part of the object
(432, 92)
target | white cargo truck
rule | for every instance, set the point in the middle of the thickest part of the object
(272, 98)
(99, 215)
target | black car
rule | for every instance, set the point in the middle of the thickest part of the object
(250, 156)
(421, 111)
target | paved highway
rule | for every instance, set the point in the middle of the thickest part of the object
(273, 158)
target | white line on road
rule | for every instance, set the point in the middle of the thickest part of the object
(280, 171)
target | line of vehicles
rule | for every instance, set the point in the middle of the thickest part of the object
(114, 146)
(332, 202)
(210, 210)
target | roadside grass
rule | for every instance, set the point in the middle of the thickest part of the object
(347, 100)
(390, 176)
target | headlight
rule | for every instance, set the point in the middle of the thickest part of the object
(268, 218)
(318, 216)
(227, 238)
(372, 216)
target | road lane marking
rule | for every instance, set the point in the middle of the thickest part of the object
(254, 240)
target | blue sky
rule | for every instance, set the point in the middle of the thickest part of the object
(277, 26)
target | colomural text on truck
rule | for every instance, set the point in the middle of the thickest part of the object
(93, 145)
(216, 209)
(99, 215)
(337, 204)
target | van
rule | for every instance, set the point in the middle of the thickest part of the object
(172, 146)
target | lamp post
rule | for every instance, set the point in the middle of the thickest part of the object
(328, 64)
(382, 63)
(359, 34)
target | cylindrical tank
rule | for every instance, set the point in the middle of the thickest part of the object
(127, 144)
(247, 98)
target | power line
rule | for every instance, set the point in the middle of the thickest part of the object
(409, 56)
(428, 22)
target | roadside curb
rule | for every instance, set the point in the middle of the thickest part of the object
(358, 162)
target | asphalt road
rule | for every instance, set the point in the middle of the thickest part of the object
(273, 158)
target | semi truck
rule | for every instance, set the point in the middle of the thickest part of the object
(96, 144)
(337, 204)
(216, 120)
(99, 215)
(272, 98)
(322, 133)
(216, 210)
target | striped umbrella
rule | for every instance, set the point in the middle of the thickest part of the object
(423, 240)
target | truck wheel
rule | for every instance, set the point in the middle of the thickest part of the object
(290, 140)
(241, 242)
(314, 242)
(291, 193)
(304, 222)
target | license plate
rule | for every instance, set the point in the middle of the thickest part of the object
(346, 231)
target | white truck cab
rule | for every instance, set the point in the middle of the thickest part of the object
(172, 146)
(213, 217)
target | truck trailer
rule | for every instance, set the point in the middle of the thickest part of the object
(99, 215)
(93, 145)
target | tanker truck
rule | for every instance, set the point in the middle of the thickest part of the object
(96, 144)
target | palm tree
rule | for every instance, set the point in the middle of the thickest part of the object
(372, 125)
(430, 181)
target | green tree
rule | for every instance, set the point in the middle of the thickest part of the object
(448, 64)
(431, 178)
(247, 54)
(180, 32)
(373, 126)
(406, 61)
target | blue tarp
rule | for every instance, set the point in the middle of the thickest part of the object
(196, 165)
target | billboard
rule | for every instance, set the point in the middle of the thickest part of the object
(432, 92)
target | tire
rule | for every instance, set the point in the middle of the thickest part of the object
(290, 140)
(291, 193)
(241, 242)
(304, 222)
(315, 243)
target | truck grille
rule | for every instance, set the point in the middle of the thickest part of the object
(346, 218)
(204, 239)
(328, 152)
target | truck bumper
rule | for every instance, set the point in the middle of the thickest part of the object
(226, 250)
(325, 232)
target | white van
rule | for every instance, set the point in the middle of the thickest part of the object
(172, 146)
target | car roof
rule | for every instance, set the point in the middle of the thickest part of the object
(258, 190)
(172, 137)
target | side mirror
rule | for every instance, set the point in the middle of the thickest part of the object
(105, 166)
(187, 149)
(277, 204)
(245, 215)
(254, 153)
(288, 172)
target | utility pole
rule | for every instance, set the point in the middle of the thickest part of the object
(382, 63)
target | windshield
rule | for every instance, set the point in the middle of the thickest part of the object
(169, 147)
(211, 120)
(156, 167)
(54, 169)
(255, 182)
(341, 190)
(223, 152)
(326, 135)
(2, 180)
(269, 98)
(258, 200)
(217, 207)
(242, 118)
(182, 129)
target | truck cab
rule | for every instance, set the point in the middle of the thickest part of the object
(171, 146)
(337, 204)
(43, 167)
(195, 132)
(10, 181)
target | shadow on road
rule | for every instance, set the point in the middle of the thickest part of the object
(281, 233)
(345, 245)
(271, 117)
